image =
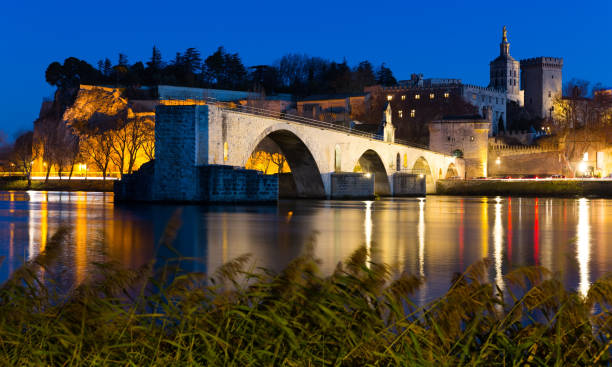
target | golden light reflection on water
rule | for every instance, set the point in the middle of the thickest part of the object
(498, 244)
(484, 228)
(367, 229)
(421, 236)
(80, 228)
(583, 245)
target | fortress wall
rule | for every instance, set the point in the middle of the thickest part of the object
(528, 163)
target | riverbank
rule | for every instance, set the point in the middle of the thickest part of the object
(517, 187)
(58, 185)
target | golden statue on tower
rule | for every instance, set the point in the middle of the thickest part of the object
(505, 35)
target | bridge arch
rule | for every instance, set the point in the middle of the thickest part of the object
(305, 180)
(422, 166)
(370, 162)
(451, 171)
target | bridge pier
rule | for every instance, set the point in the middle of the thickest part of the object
(351, 185)
(408, 184)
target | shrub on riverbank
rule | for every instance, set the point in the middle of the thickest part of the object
(359, 315)
(58, 185)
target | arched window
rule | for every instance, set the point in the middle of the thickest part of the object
(398, 162)
(225, 151)
(337, 160)
(405, 160)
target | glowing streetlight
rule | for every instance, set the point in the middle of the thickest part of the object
(368, 175)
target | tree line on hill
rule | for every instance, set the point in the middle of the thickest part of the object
(298, 74)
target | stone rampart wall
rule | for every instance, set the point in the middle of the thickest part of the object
(528, 163)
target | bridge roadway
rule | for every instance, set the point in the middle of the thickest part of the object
(217, 134)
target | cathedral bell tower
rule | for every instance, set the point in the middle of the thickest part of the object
(504, 46)
(505, 71)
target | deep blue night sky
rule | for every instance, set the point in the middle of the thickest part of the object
(438, 38)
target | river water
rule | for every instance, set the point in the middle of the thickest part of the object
(435, 236)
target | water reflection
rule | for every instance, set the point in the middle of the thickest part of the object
(583, 245)
(433, 237)
(498, 244)
(368, 231)
(421, 237)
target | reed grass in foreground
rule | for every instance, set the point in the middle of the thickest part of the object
(359, 315)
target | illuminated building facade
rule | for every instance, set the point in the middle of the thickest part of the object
(542, 81)
(463, 136)
(420, 101)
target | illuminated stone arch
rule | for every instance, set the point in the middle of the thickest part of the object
(305, 174)
(451, 171)
(370, 162)
(421, 166)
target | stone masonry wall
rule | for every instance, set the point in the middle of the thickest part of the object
(175, 175)
(351, 186)
(226, 184)
(541, 164)
(407, 184)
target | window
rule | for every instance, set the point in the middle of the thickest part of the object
(412, 113)
(446, 94)
(417, 96)
(389, 97)
(225, 151)
(400, 113)
(337, 159)
(548, 94)
(474, 96)
(553, 77)
(448, 138)
(431, 96)
(471, 138)
(403, 97)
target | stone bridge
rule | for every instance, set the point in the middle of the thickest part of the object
(323, 159)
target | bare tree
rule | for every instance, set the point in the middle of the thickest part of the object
(138, 131)
(148, 144)
(23, 154)
(120, 139)
(98, 148)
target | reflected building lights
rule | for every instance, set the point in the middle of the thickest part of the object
(484, 227)
(368, 231)
(583, 245)
(509, 236)
(80, 229)
(421, 236)
(498, 244)
(536, 233)
(461, 234)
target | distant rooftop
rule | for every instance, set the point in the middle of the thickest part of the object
(321, 97)
(462, 118)
(417, 81)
